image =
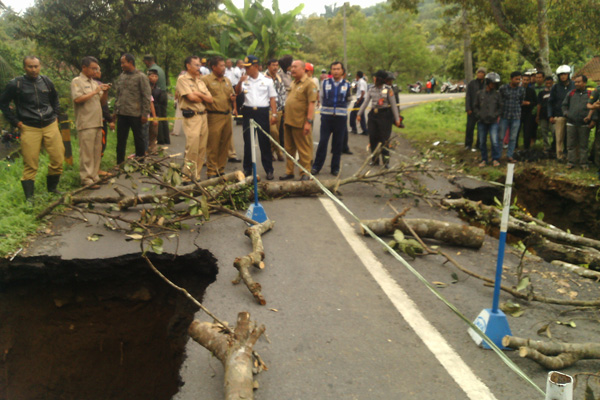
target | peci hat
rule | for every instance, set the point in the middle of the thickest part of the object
(250, 60)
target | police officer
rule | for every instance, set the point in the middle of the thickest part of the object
(193, 99)
(219, 117)
(384, 112)
(335, 95)
(259, 96)
(36, 109)
(298, 123)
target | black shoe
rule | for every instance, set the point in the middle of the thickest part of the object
(314, 172)
(364, 133)
(247, 172)
(52, 183)
(347, 152)
(353, 131)
(335, 173)
(234, 160)
(28, 189)
(270, 176)
(304, 178)
(286, 177)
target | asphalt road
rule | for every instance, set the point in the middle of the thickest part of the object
(344, 319)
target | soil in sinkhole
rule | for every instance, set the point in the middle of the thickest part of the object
(96, 329)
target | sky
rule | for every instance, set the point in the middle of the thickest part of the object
(310, 7)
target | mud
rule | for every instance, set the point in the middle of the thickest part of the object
(96, 329)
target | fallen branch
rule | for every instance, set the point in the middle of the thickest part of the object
(553, 355)
(551, 251)
(584, 272)
(255, 258)
(234, 350)
(448, 232)
(516, 225)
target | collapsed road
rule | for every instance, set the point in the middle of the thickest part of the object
(343, 319)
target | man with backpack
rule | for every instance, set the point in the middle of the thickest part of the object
(36, 109)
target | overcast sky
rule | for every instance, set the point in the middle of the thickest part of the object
(310, 7)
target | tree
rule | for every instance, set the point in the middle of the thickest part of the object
(256, 29)
(66, 30)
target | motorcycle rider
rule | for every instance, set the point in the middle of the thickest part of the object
(557, 95)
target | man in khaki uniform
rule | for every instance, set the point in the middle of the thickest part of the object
(219, 117)
(299, 114)
(88, 97)
(193, 95)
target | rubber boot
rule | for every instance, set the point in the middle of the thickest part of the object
(28, 188)
(52, 183)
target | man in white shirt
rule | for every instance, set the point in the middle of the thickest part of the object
(203, 69)
(230, 72)
(259, 96)
(361, 92)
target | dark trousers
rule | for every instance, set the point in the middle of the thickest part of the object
(354, 113)
(335, 125)
(529, 126)
(380, 130)
(124, 123)
(163, 130)
(345, 147)
(104, 136)
(471, 123)
(261, 117)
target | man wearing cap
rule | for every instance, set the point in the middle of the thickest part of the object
(193, 97)
(310, 70)
(473, 87)
(203, 69)
(219, 117)
(259, 96)
(335, 95)
(299, 114)
(384, 112)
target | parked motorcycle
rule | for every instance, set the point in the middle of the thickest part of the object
(449, 87)
(415, 88)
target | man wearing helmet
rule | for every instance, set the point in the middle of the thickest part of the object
(488, 109)
(557, 96)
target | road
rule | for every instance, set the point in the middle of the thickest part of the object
(344, 319)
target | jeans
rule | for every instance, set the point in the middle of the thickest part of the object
(482, 131)
(335, 125)
(513, 125)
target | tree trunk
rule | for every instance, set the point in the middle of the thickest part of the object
(551, 252)
(553, 355)
(576, 269)
(467, 52)
(255, 258)
(447, 232)
(543, 61)
(233, 350)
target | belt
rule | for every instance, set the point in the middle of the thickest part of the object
(377, 110)
(257, 108)
(217, 112)
(196, 112)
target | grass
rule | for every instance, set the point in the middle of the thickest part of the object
(437, 129)
(17, 217)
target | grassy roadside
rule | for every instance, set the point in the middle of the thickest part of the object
(437, 129)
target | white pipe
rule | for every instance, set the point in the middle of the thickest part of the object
(559, 386)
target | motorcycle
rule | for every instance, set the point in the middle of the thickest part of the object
(415, 88)
(449, 87)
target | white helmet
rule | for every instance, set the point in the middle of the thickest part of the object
(563, 69)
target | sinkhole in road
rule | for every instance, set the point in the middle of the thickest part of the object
(97, 329)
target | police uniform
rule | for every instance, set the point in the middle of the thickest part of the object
(195, 128)
(219, 123)
(302, 93)
(384, 112)
(257, 100)
(334, 117)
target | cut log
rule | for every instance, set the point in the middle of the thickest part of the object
(551, 251)
(447, 232)
(515, 225)
(255, 258)
(553, 355)
(233, 350)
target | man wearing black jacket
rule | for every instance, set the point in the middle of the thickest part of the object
(36, 109)
(527, 118)
(472, 88)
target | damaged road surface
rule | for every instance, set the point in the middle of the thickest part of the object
(344, 320)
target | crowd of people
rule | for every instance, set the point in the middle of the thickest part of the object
(282, 100)
(559, 114)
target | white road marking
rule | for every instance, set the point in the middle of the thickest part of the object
(441, 349)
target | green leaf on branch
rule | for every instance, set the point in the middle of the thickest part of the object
(523, 284)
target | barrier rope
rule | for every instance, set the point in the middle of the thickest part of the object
(514, 367)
